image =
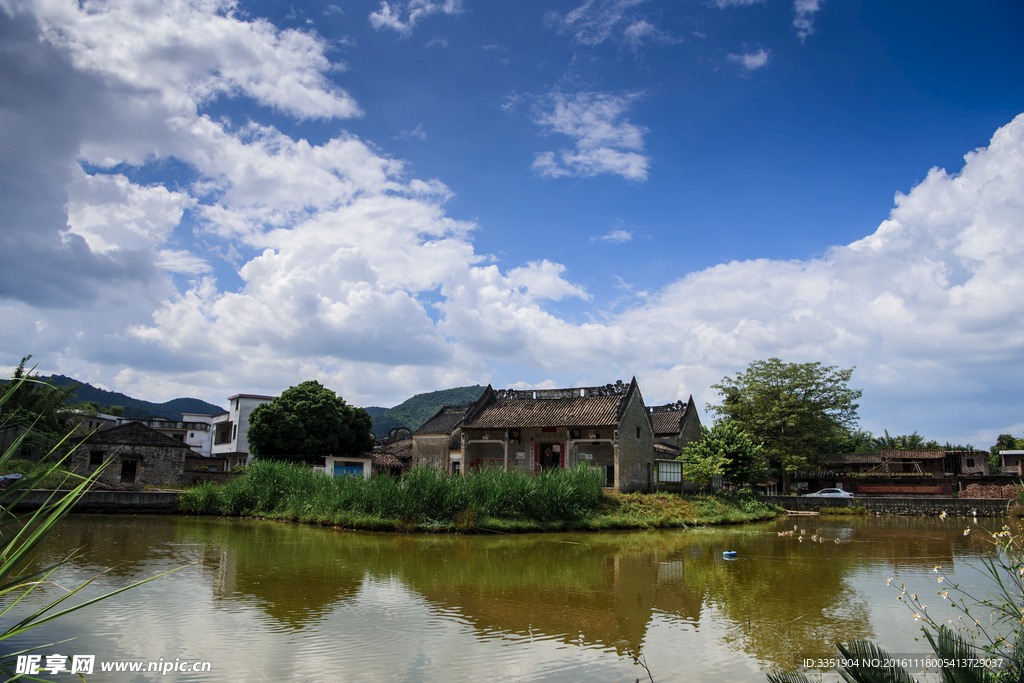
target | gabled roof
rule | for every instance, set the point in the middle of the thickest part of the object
(135, 434)
(589, 407)
(444, 421)
(668, 419)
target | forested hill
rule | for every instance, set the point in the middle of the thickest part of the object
(421, 407)
(134, 407)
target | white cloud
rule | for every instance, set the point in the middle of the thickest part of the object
(416, 132)
(751, 60)
(110, 212)
(192, 52)
(927, 307)
(351, 272)
(390, 16)
(605, 142)
(618, 236)
(723, 4)
(803, 19)
(596, 21)
(641, 30)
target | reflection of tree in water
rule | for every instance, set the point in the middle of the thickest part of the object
(122, 547)
(297, 574)
(596, 589)
(784, 597)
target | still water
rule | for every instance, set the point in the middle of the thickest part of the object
(271, 601)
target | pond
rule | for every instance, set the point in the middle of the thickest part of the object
(272, 601)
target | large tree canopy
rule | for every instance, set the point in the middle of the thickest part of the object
(309, 420)
(795, 411)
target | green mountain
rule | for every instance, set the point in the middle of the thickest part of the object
(134, 407)
(374, 411)
(421, 407)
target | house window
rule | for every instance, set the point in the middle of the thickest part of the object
(222, 433)
(970, 462)
(96, 457)
(638, 432)
(128, 469)
(234, 432)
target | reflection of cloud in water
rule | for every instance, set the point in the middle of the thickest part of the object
(285, 602)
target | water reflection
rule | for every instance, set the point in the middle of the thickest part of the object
(280, 600)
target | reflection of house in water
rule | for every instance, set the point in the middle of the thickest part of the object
(292, 573)
(601, 594)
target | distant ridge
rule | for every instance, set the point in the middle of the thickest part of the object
(134, 407)
(415, 411)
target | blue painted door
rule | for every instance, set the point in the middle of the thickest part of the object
(343, 470)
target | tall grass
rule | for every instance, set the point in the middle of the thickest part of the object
(22, 532)
(423, 495)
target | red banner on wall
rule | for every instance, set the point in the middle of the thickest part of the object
(909, 488)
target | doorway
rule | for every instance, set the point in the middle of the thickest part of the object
(128, 471)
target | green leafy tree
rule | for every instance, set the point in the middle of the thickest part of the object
(41, 405)
(855, 441)
(1004, 442)
(724, 449)
(307, 421)
(796, 411)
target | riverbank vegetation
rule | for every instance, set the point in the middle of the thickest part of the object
(429, 500)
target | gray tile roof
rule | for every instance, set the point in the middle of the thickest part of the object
(589, 411)
(667, 423)
(134, 434)
(444, 421)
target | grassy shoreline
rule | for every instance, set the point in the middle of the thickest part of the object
(428, 501)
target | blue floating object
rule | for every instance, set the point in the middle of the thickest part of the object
(729, 553)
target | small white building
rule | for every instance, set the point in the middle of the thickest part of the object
(347, 467)
(1013, 462)
(230, 429)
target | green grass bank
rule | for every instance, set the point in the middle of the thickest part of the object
(428, 500)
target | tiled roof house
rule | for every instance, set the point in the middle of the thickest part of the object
(138, 454)
(607, 427)
(675, 425)
(438, 441)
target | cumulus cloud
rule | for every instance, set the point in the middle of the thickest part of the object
(110, 212)
(351, 272)
(803, 17)
(927, 307)
(605, 141)
(390, 16)
(751, 60)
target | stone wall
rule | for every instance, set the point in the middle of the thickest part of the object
(954, 507)
(165, 502)
(431, 450)
(636, 447)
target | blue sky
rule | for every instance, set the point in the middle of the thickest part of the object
(203, 198)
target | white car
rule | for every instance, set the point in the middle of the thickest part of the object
(829, 493)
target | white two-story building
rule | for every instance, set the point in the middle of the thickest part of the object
(230, 429)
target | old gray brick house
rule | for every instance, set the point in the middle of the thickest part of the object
(141, 455)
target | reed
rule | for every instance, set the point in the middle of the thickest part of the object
(424, 495)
